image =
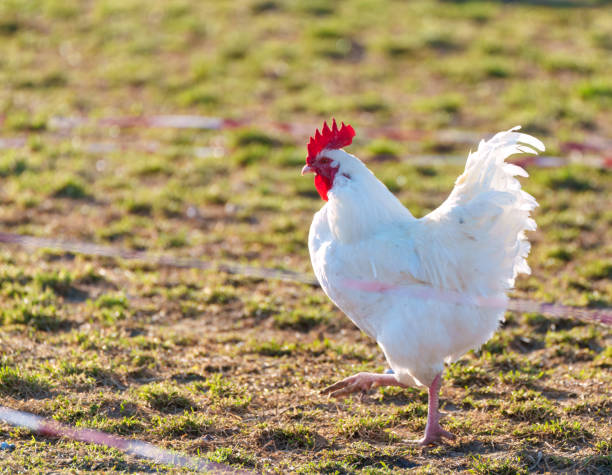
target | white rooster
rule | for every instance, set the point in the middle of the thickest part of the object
(429, 289)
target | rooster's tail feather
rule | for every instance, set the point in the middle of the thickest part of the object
(488, 188)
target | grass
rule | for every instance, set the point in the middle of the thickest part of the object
(230, 367)
(18, 384)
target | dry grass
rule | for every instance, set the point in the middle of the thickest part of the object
(230, 367)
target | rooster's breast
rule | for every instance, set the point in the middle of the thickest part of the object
(335, 265)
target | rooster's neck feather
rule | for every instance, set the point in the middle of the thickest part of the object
(359, 203)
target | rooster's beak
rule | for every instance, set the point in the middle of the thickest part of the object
(307, 169)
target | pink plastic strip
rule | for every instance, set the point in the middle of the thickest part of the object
(134, 447)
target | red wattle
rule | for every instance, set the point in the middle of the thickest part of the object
(323, 185)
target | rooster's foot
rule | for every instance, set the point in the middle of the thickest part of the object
(433, 430)
(361, 382)
(434, 435)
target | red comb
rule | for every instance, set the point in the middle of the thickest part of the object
(333, 138)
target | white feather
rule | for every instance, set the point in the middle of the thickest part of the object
(473, 243)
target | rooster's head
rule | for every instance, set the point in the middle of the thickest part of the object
(320, 150)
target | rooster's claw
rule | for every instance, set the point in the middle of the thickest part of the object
(361, 382)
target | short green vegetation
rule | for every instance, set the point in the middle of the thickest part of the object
(229, 367)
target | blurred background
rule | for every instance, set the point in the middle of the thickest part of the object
(411, 65)
(134, 109)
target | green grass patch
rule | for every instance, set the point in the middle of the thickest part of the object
(165, 398)
(22, 384)
(556, 431)
(294, 436)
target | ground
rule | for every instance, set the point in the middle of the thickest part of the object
(230, 367)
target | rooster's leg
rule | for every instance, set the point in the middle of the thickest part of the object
(433, 431)
(361, 382)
